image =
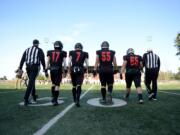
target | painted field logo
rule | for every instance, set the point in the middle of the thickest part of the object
(116, 102)
(45, 101)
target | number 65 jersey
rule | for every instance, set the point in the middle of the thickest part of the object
(56, 58)
(106, 57)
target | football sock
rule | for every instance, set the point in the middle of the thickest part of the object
(74, 93)
(56, 93)
(103, 92)
(78, 92)
(127, 95)
(53, 91)
(110, 88)
(140, 96)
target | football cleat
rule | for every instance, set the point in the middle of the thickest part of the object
(55, 103)
(35, 98)
(77, 104)
(33, 102)
(151, 96)
(126, 98)
(26, 103)
(141, 101)
(102, 101)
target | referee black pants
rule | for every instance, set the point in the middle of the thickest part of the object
(151, 76)
(32, 73)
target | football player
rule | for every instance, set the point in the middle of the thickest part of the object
(132, 66)
(56, 62)
(106, 65)
(77, 58)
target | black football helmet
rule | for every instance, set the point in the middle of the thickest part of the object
(58, 45)
(105, 44)
(78, 46)
(19, 73)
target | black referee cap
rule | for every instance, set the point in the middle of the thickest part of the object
(35, 42)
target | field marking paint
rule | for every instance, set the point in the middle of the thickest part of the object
(172, 93)
(116, 102)
(52, 121)
(47, 103)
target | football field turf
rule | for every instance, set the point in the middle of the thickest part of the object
(161, 117)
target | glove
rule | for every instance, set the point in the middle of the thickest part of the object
(46, 73)
(115, 71)
(65, 73)
(121, 77)
(85, 70)
(94, 73)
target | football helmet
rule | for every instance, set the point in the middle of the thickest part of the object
(19, 73)
(78, 46)
(105, 44)
(130, 51)
(58, 45)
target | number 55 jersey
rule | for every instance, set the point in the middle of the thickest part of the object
(133, 63)
(106, 57)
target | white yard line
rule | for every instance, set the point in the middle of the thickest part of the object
(172, 93)
(52, 121)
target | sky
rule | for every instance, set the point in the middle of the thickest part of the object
(137, 24)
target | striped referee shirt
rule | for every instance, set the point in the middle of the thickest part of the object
(33, 56)
(151, 60)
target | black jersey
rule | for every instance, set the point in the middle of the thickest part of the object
(78, 57)
(105, 57)
(56, 57)
(133, 61)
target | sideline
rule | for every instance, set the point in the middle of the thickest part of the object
(172, 93)
(53, 120)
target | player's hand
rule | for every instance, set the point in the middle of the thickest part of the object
(115, 71)
(85, 70)
(65, 73)
(46, 73)
(121, 76)
(94, 73)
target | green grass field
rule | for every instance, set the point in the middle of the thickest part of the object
(161, 117)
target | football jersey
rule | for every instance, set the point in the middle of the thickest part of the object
(133, 61)
(105, 57)
(56, 57)
(78, 57)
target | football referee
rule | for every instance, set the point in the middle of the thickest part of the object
(32, 56)
(151, 62)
